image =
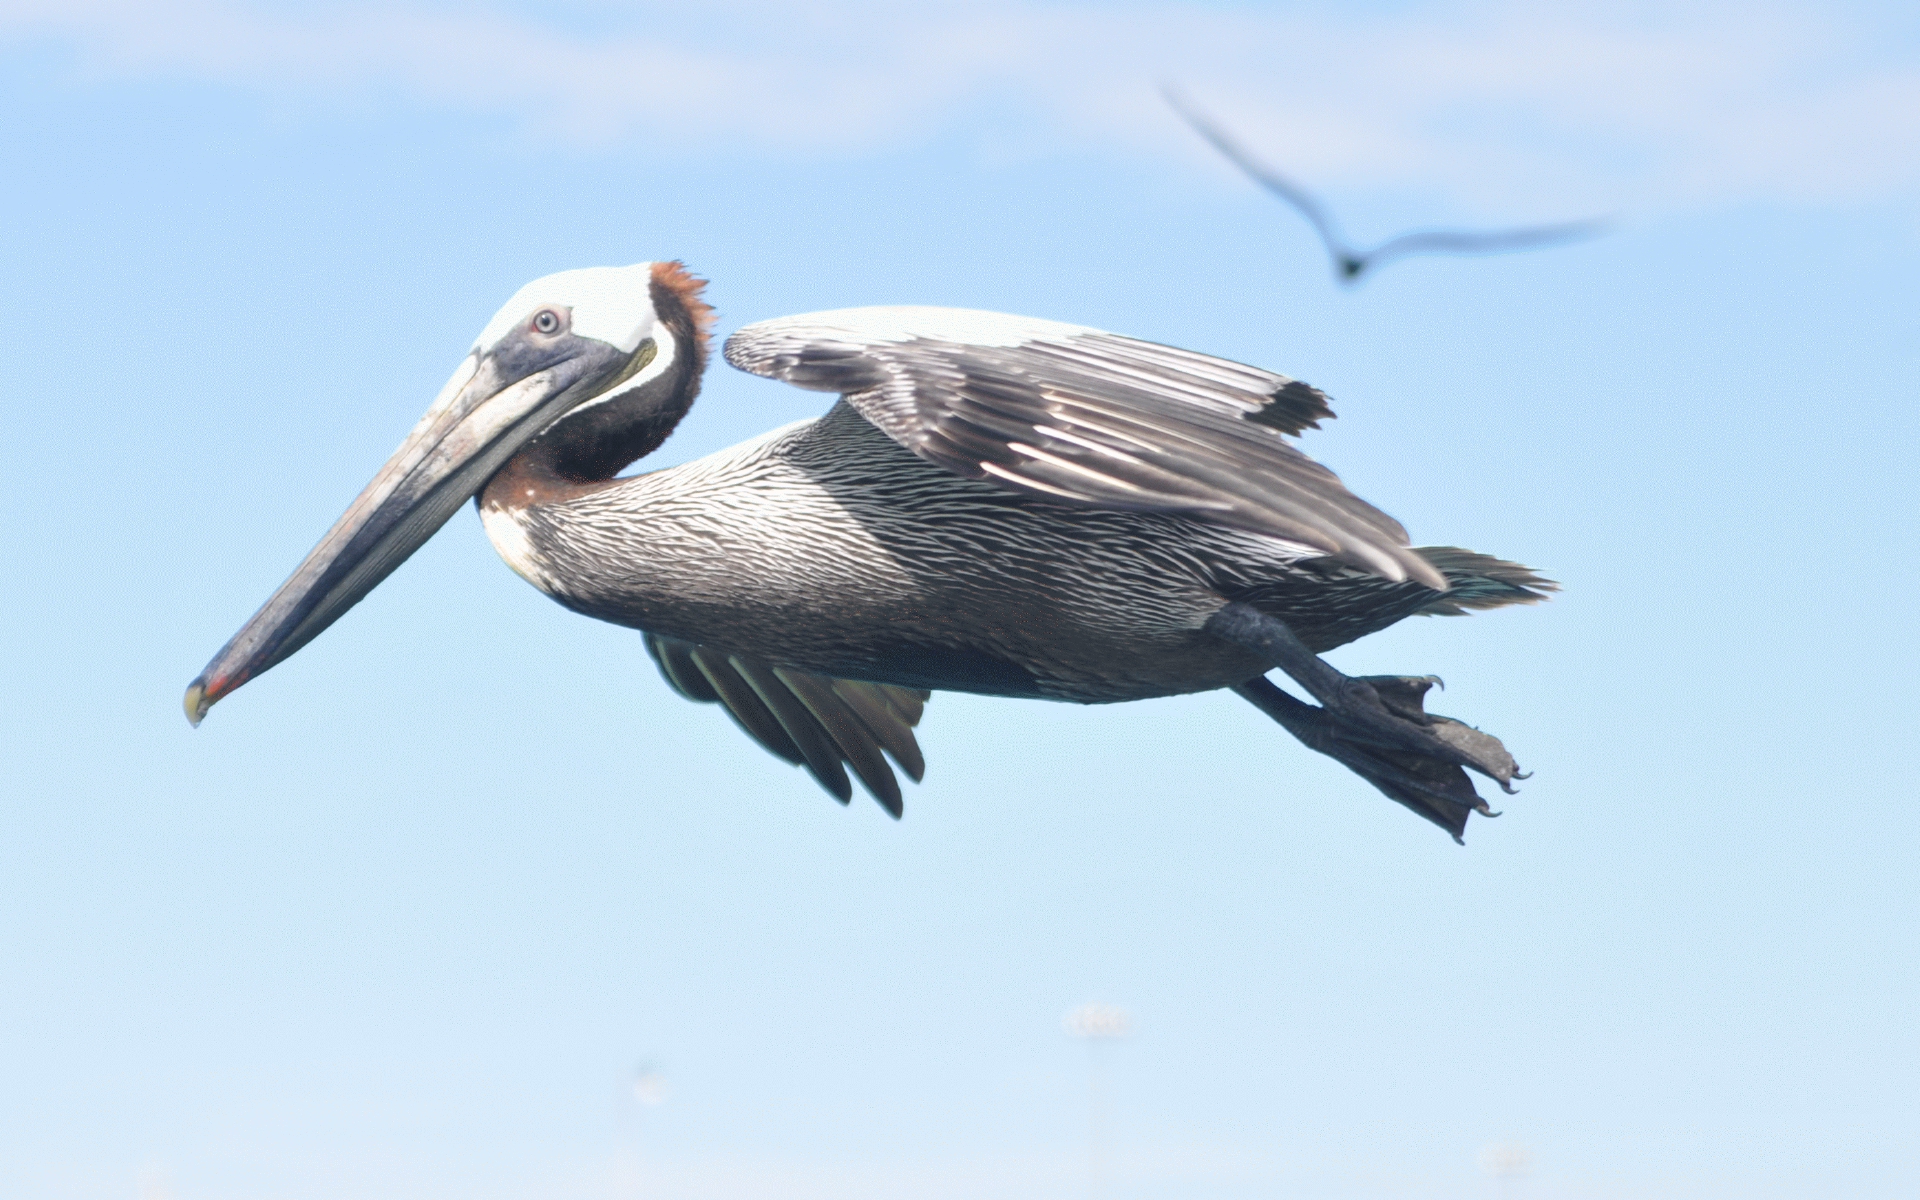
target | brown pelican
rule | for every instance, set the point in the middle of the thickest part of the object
(1349, 262)
(995, 504)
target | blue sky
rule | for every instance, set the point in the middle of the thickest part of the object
(405, 916)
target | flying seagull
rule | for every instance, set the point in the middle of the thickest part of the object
(994, 504)
(1350, 263)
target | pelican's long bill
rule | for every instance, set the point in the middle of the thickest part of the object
(538, 360)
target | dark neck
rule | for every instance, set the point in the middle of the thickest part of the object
(596, 443)
(589, 447)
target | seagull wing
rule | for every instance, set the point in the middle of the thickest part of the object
(809, 720)
(1270, 179)
(1492, 241)
(1084, 417)
(1349, 263)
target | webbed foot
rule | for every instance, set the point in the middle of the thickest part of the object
(1377, 725)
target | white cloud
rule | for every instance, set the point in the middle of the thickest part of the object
(1493, 102)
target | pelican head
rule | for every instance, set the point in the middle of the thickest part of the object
(611, 355)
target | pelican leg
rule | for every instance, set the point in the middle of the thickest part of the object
(1375, 725)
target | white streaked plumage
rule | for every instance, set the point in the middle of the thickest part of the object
(996, 504)
(796, 546)
(904, 323)
(1074, 413)
(507, 530)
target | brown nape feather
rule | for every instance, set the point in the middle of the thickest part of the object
(677, 291)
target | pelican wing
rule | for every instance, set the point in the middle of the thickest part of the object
(810, 720)
(1085, 417)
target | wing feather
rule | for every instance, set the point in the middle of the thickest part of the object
(856, 742)
(809, 720)
(1078, 415)
(676, 663)
(816, 744)
(910, 703)
(740, 700)
(889, 726)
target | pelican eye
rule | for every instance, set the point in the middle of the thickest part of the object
(546, 321)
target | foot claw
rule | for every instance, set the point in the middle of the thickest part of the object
(1380, 730)
(1376, 725)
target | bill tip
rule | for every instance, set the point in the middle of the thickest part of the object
(197, 704)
